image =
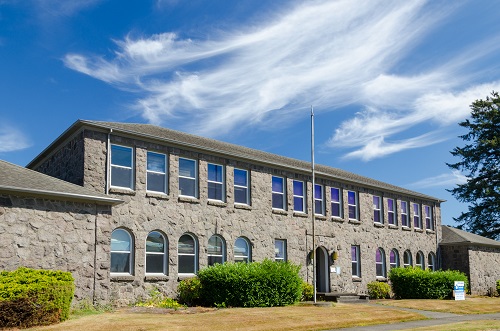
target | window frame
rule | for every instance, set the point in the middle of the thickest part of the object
(284, 250)
(394, 252)
(246, 188)
(355, 261)
(164, 173)
(381, 263)
(377, 209)
(222, 256)
(248, 257)
(417, 217)
(300, 197)
(220, 183)
(164, 255)
(391, 212)
(420, 260)
(431, 261)
(130, 168)
(407, 257)
(429, 222)
(280, 195)
(194, 255)
(320, 200)
(336, 203)
(404, 214)
(194, 179)
(355, 206)
(130, 253)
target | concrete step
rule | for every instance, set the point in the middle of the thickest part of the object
(342, 297)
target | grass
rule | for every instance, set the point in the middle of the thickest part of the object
(471, 305)
(290, 318)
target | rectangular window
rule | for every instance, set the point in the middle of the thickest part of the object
(278, 189)
(417, 223)
(156, 172)
(122, 167)
(391, 212)
(280, 250)
(336, 197)
(352, 204)
(299, 196)
(319, 206)
(215, 182)
(356, 266)
(404, 213)
(188, 178)
(241, 188)
(429, 224)
(377, 209)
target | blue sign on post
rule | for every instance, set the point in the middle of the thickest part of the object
(459, 290)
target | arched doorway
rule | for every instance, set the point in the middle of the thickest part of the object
(322, 274)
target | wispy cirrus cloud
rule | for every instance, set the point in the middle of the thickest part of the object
(449, 180)
(11, 139)
(330, 54)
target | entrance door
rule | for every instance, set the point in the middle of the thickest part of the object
(322, 274)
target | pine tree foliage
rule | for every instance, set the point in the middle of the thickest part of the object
(480, 162)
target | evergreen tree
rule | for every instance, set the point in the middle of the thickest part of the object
(480, 162)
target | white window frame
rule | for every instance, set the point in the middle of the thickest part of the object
(249, 249)
(246, 187)
(377, 210)
(355, 205)
(337, 203)
(282, 243)
(394, 264)
(429, 222)
(195, 178)
(404, 214)
(420, 260)
(391, 213)
(380, 263)
(163, 254)
(407, 259)
(416, 216)
(431, 261)
(301, 197)
(130, 253)
(222, 256)
(164, 173)
(281, 195)
(116, 166)
(194, 255)
(356, 262)
(217, 183)
(320, 200)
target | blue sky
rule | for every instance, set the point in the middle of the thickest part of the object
(388, 80)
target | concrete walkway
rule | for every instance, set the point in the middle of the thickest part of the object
(435, 318)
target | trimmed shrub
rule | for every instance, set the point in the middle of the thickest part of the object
(257, 284)
(307, 291)
(159, 300)
(498, 287)
(379, 290)
(31, 297)
(189, 291)
(415, 283)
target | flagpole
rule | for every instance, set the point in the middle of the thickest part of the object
(313, 205)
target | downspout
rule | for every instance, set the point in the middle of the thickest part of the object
(94, 298)
(438, 252)
(108, 161)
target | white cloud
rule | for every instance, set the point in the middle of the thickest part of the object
(444, 180)
(325, 53)
(12, 139)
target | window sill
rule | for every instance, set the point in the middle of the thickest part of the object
(300, 214)
(405, 228)
(379, 225)
(216, 203)
(185, 276)
(430, 231)
(418, 230)
(337, 219)
(122, 278)
(157, 195)
(242, 206)
(121, 190)
(156, 278)
(354, 221)
(356, 279)
(395, 227)
(280, 212)
(320, 217)
(381, 279)
(188, 199)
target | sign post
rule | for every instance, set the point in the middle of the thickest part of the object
(459, 290)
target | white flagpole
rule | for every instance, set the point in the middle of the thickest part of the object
(313, 205)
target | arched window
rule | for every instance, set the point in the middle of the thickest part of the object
(420, 260)
(156, 253)
(380, 263)
(407, 260)
(122, 249)
(187, 253)
(394, 258)
(431, 261)
(216, 250)
(242, 250)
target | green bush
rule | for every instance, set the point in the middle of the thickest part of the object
(379, 290)
(189, 291)
(307, 291)
(256, 284)
(415, 283)
(159, 300)
(31, 297)
(498, 287)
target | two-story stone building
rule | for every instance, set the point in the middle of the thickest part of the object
(189, 202)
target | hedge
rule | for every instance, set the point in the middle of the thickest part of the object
(257, 284)
(31, 297)
(415, 283)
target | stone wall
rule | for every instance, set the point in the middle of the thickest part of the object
(484, 269)
(50, 234)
